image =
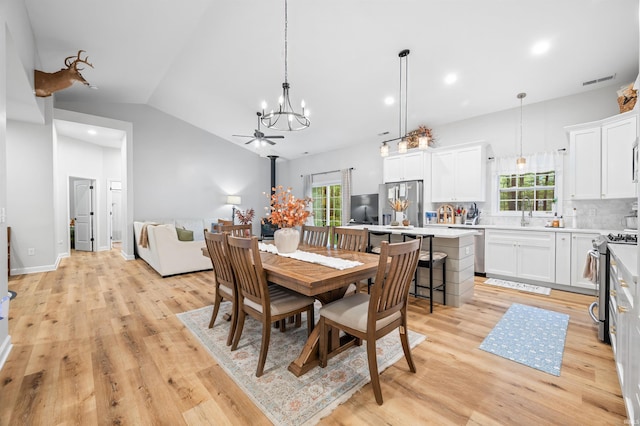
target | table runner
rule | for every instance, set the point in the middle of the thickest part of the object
(331, 262)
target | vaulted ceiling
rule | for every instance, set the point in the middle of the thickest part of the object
(212, 63)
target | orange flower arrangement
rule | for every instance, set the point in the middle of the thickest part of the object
(287, 211)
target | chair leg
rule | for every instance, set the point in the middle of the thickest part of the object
(373, 369)
(431, 286)
(239, 327)
(311, 322)
(444, 282)
(234, 323)
(323, 342)
(264, 346)
(404, 338)
(216, 307)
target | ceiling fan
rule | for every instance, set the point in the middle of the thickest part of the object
(258, 136)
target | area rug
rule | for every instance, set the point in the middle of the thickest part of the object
(284, 398)
(531, 336)
(519, 286)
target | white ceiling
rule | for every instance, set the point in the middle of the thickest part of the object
(212, 62)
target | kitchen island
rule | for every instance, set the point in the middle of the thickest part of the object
(456, 243)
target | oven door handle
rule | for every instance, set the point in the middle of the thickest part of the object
(592, 307)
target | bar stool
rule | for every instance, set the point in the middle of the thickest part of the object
(375, 249)
(426, 260)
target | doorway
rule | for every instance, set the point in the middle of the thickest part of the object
(115, 212)
(81, 209)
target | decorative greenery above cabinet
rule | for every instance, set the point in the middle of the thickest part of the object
(600, 165)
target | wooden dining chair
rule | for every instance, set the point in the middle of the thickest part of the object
(237, 230)
(353, 240)
(374, 238)
(266, 303)
(372, 316)
(315, 235)
(224, 280)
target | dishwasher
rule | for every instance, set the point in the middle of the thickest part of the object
(478, 249)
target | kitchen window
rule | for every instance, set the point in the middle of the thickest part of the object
(529, 191)
(537, 187)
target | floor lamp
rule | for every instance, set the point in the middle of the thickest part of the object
(234, 200)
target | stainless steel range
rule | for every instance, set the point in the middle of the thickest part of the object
(599, 309)
(625, 238)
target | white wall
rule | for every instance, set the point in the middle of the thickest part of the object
(543, 130)
(89, 161)
(5, 339)
(30, 200)
(181, 171)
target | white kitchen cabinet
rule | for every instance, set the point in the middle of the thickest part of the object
(623, 323)
(403, 167)
(617, 170)
(580, 246)
(600, 158)
(584, 164)
(529, 255)
(563, 258)
(459, 175)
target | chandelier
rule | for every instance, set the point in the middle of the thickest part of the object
(521, 161)
(285, 118)
(403, 136)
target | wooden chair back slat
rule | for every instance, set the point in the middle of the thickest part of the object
(391, 291)
(315, 235)
(247, 267)
(351, 239)
(217, 252)
(237, 230)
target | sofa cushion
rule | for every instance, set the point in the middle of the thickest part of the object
(195, 225)
(184, 234)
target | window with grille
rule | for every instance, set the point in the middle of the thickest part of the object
(528, 191)
(327, 205)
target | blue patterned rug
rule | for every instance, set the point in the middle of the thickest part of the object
(284, 398)
(531, 336)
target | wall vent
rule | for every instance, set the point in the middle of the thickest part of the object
(599, 80)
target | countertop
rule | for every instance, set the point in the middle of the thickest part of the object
(627, 254)
(531, 228)
(436, 231)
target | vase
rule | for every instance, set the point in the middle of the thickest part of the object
(286, 240)
(399, 217)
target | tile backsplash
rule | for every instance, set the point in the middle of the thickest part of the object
(592, 214)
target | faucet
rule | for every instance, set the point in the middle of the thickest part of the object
(523, 221)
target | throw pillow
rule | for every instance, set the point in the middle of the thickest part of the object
(184, 234)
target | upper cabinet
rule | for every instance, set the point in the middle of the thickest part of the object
(459, 174)
(404, 167)
(600, 165)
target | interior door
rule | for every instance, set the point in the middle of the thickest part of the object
(115, 212)
(83, 204)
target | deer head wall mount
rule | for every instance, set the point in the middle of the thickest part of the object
(47, 83)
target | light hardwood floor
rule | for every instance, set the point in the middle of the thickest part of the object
(98, 342)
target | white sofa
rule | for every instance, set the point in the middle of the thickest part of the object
(166, 253)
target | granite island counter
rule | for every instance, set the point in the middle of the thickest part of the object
(456, 243)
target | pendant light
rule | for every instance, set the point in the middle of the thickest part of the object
(402, 136)
(285, 118)
(384, 150)
(521, 161)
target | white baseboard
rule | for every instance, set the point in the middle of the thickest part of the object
(5, 349)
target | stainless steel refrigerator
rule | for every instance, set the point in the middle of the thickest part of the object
(409, 190)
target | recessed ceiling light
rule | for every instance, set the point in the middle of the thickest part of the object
(92, 132)
(389, 100)
(465, 103)
(540, 47)
(450, 78)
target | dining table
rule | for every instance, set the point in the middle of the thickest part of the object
(325, 284)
